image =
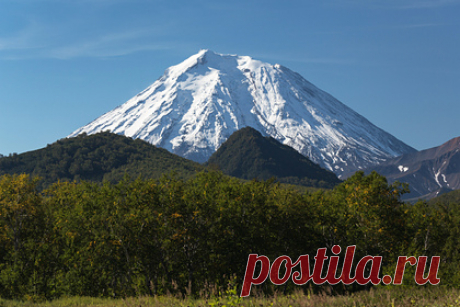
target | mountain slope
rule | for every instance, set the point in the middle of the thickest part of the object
(449, 198)
(196, 105)
(98, 157)
(247, 155)
(429, 172)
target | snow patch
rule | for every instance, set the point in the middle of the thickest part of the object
(445, 180)
(436, 177)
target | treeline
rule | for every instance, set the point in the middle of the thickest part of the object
(147, 237)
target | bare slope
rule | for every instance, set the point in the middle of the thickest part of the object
(429, 172)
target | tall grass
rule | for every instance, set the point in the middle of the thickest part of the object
(378, 297)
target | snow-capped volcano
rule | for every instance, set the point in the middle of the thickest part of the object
(196, 105)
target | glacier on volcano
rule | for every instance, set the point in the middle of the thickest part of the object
(196, 105)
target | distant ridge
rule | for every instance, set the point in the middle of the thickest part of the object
(429, 172)
(196, 105)
(248, 155)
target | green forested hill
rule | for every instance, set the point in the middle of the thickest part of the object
(452, 197)
(108, 157)
(247, 155)
(98, 157)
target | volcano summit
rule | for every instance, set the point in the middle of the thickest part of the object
(196, 105)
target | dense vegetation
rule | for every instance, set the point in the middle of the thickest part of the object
(248, 155)
(100, 157)
(143, 237)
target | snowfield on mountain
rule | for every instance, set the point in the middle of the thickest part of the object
(196, 105)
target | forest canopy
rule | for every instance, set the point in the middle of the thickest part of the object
(146, 237)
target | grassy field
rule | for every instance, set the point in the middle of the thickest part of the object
(397, 296)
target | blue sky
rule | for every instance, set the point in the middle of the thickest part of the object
(65, 62)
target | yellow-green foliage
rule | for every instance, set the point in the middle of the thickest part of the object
(169, 236)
